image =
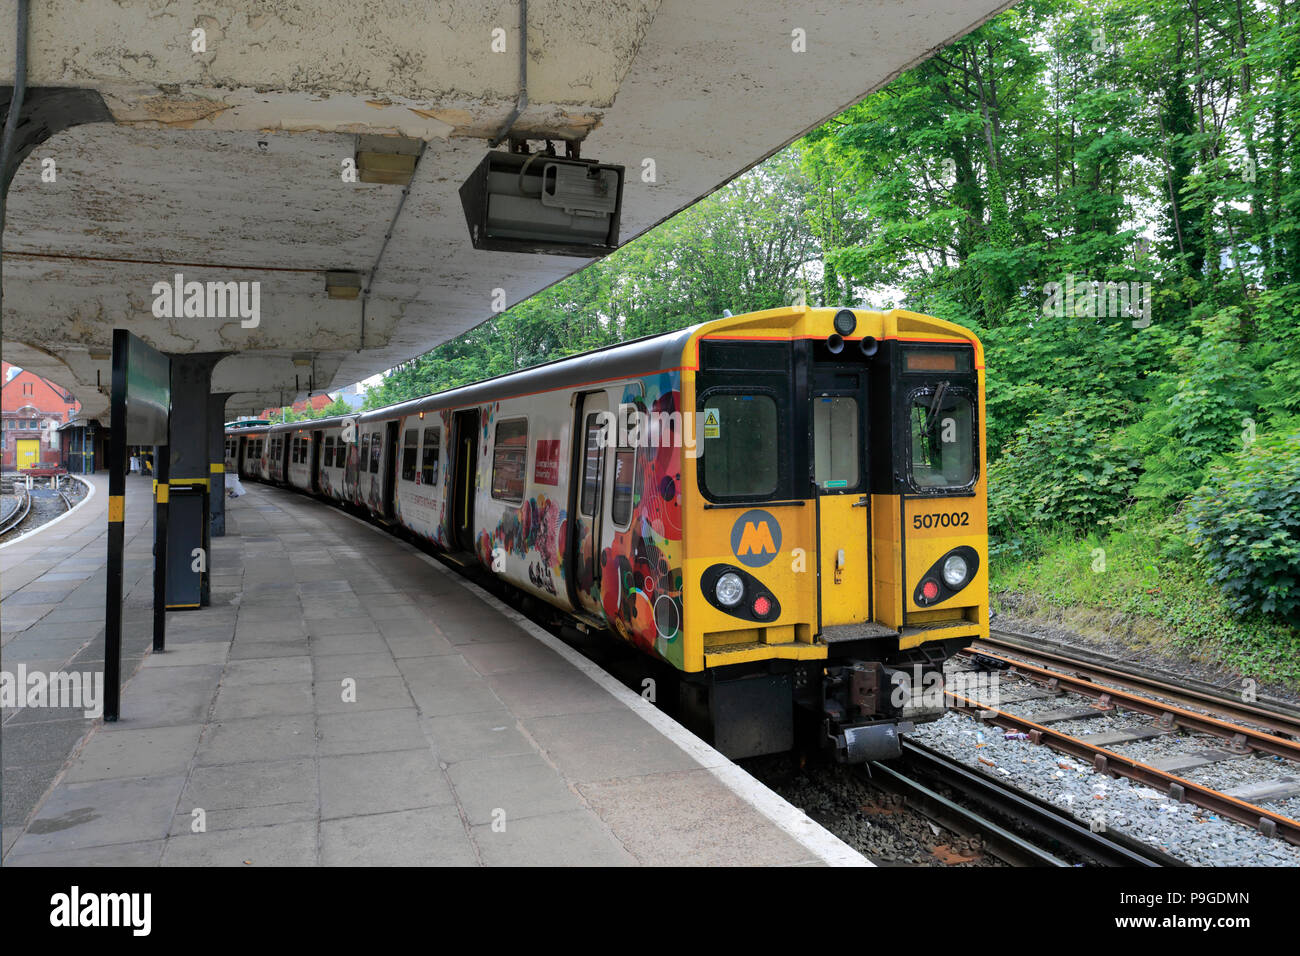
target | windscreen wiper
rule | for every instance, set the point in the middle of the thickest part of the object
(935, 404)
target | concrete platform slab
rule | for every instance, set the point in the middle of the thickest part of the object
(355, 784)
(433, 836)
(286, 844)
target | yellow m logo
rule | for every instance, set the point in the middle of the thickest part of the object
(756, 539)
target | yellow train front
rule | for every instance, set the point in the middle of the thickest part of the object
(835, 530)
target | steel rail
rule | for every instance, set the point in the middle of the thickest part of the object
(1241, 737)
(1107, 848)
(1277, 718)
(19, 514)
(1001, 842)
(1108, 761)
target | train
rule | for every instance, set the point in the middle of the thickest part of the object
(786, 509)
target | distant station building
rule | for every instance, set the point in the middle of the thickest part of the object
(34, 411)
(83, 446)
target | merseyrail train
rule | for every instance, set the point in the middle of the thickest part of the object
(788, 508)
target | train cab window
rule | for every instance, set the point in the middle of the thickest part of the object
(942, 438)
(740, 445)
(510, 460)
(410, 450)
(376, 452)
(431, 439)
(835, 442)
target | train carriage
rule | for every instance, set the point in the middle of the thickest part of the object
(245, 443)
(788, 508)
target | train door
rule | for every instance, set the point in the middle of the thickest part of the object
(589, 496)
(314, 475)
(841, 486)
(390, 466)
(465, 427)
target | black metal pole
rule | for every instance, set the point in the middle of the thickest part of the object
(116, 534)
(162, 472)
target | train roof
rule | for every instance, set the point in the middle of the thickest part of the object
(642, 356)
(637, 357)
(634, 358)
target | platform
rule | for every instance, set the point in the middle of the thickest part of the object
(472, 736)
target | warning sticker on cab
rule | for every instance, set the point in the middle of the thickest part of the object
(712, 423)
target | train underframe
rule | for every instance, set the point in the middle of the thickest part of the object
(854, 705)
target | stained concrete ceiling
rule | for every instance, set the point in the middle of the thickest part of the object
(225, 165)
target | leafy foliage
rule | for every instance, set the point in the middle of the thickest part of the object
(1061, 469)
(1246, 524)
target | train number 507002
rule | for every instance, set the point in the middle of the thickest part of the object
(958, 519)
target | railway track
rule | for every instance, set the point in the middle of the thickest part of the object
(1245, 726)
(1274, 715)
(1016, 827)
(19, 514)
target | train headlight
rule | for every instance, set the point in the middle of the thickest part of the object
(955, 571)
(729, 589)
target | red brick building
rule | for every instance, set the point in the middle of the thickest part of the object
(33, 409)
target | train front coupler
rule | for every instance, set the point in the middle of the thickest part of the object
(868, 705)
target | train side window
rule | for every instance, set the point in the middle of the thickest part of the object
(624, 478)
(941, 422)
(410, 449)
(431, 439)
(740, 445)
(376, 452)
(595, 447)
(510, 460)
(365, 452)
(835, 441)
(327, 452)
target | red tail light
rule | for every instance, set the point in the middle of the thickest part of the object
(761, 606)
(930, 589)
